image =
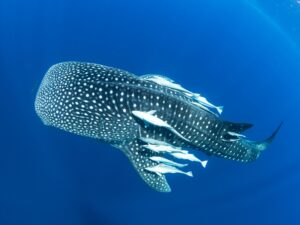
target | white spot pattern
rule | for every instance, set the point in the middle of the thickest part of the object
(96, 101)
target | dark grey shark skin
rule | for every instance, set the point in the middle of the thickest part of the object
(97, 101)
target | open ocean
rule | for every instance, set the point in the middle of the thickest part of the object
(242, 54)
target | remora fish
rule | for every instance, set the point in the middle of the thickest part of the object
(164, 149)
(97, 101)
(162, 80)
(161, 169)
(151, 119)
(166, 161)
(189, 157)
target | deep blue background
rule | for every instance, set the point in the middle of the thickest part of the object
(244, 55)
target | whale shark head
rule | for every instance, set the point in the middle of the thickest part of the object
(83, 98)
(49, 102)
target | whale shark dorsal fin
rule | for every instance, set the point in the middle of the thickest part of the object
(140, 159)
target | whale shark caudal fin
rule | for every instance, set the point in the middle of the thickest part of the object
(262, 145)
(140, 159)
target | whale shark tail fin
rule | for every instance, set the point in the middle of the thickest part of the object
(244, 150)
(262, 145)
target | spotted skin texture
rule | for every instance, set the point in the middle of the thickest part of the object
(97, 101)
(140, 159)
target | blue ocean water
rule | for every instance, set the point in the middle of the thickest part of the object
(241, 54)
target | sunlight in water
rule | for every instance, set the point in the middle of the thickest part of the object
(272, 22)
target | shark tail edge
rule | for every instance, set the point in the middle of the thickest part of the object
(190, 174)
(220, 109)
(262, 145)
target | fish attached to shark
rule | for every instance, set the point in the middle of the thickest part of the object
(153, 120)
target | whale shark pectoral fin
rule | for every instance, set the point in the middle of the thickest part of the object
(140, 159)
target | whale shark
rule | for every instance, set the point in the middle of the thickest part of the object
(150, 118)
